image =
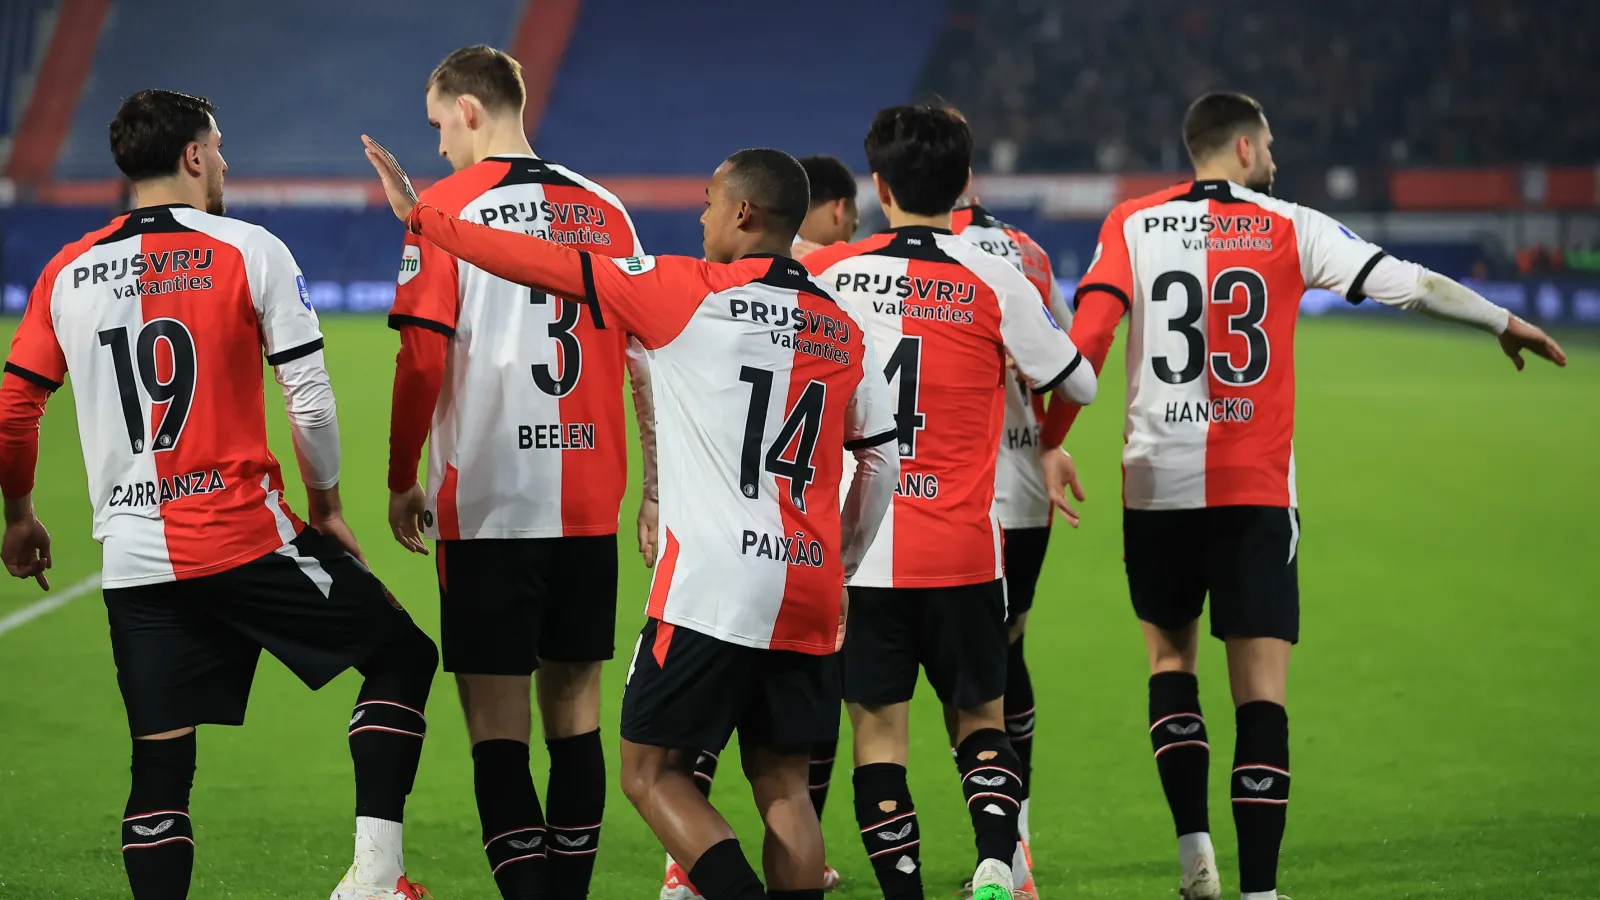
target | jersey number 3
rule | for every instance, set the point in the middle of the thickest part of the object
(800, 429)
(560, 331)
(1187, 323)
(176, 390)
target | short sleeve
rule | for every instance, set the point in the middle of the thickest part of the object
(1332, 257)
(1111, 268)
(869, 421)
(289, 327)
(35, 352)
(427, 291)
(650, 297)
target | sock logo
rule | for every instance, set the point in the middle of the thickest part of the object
(578, 841)
(530, 844)
(906, 865)
(357, 717)
(995, 781)
(993, 810)
(1255, 785)
(888, 805)
(142, 831)
(900, 835)
(1188, 729)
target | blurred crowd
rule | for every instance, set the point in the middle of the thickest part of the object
(1055, 85)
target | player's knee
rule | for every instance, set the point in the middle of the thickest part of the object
(642, 769)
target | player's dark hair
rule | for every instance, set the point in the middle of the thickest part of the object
(1214, 120)
(152, 127)
(830, 179)
(924, 154)
(774, 181)
(491, 75)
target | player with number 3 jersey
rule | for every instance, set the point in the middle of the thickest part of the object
(1211, 273)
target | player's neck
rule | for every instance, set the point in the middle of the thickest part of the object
(899, 218)
(169, 191)
(503, 138)
(768, 245)
(1218, 173)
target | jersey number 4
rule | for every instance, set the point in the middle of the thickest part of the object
(176, 390)
(906, 362)
(1187, 323)
(800, 429)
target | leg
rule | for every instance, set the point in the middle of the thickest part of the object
(1258, 670)
(659, 782)
(569, 705)
(1255, 608)
(791, 856)
(577, 634)
(499, 722)
(1024, 557)
(819, 772)
(992, 784)
(157, 838)
(879, 663)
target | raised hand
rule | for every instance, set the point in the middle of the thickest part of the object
(1061, 473)
(396, 186)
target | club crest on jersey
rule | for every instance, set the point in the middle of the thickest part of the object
(410, 263)
(635, 265)
(171, 487)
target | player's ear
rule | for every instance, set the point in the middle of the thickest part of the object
(189, 162)
(968, 186)
(469, 114)
(885, 199)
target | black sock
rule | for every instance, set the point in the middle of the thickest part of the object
(157, 839)
(821, 772)
(1178, 736)
(888, 821)
(1260, 791)
(387, 725)
(574, 803)
(809, 894)
(723, 873)
(1019, 711)
(513, 823)
(993, 790)
(705, 769)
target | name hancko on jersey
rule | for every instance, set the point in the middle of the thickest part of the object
(1220, 409)
(171, 487)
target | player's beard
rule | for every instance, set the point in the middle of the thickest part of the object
(1261, 182)
(214, 203)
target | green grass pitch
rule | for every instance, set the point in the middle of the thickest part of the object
(1442, 700)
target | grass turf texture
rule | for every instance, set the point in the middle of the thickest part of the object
(1440, 749)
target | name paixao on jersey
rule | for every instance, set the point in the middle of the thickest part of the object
(137, 265)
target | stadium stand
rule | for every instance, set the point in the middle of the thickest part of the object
(1365, 82)
(20, 24)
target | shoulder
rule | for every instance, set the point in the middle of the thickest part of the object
(69, 254)
(825, 258)
(455, 191)
(590, 185)
(992, 270)
(248, 238)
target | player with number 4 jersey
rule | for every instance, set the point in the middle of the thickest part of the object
(945, 316)
(1211, 273)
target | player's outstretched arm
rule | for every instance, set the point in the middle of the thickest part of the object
(1406, 285)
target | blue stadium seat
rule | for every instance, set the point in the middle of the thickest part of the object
(296, 82)
(19, 52)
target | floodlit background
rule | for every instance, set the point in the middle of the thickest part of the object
(1451, 556)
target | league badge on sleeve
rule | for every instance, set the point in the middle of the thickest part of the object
(305, 292)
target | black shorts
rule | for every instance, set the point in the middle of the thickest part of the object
(506, 604)
(1024, 554)
(186, 651)
(1245, 557)
(692, 691)
(956, 634)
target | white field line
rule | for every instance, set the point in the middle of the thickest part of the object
(52, 601)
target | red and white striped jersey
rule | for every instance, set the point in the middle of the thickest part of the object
(1212, 274)
(529, 433)
(1020, 497)
(943, 314)
(162, 318)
